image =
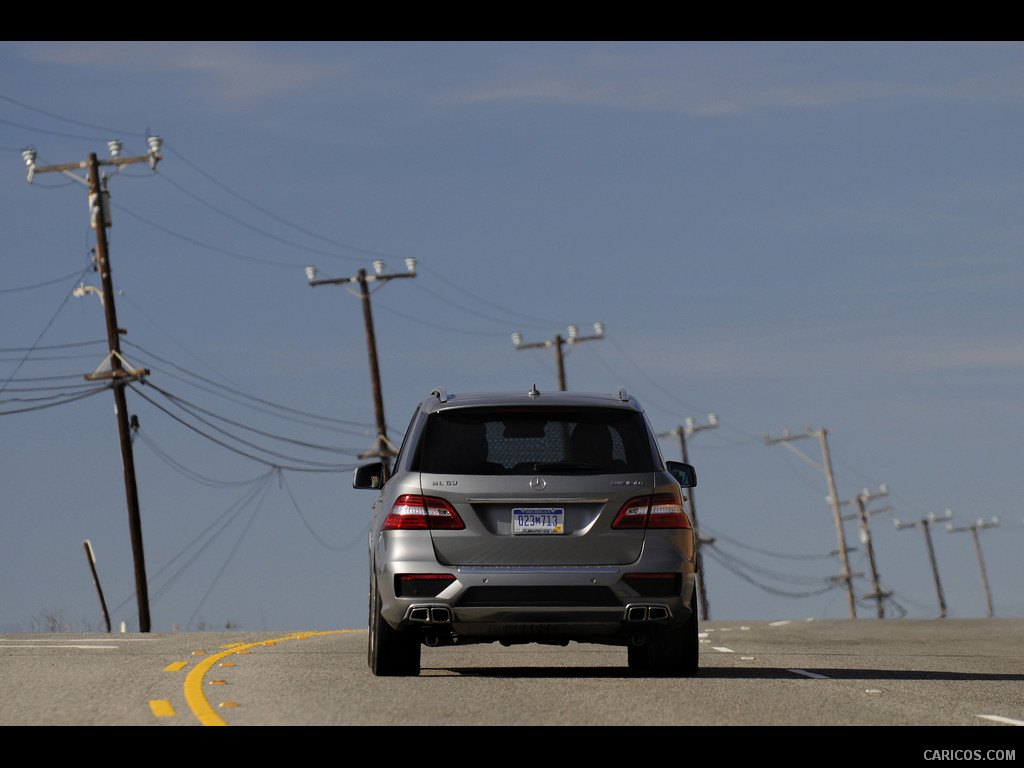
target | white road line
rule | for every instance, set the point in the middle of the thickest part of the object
(8, 643)
(111, 638)
(1001, 719)
(805, 673)
(59, 645)
(722, 649)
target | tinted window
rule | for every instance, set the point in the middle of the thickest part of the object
(527, 440)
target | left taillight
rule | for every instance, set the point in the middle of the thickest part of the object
(662, 510)
(421, 513)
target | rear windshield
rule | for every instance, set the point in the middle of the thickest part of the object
(474, 441)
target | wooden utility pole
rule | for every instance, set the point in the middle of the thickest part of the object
(833, 499)
(119, 374)
(862, 517)
(556, 345)
(382, 448)
(979, 526)
(91, 560)
(119, 379)
(923, 524)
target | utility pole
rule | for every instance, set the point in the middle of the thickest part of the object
(382, 448)
(923, 526)
(833, 499)
(681, 432)
(557, 343)
(91, 559)
(979, 526)
(862, 516)
(120, 373)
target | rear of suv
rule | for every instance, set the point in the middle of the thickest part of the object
(531, 518)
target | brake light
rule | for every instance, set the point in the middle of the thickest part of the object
(662, 510)
(411, 512)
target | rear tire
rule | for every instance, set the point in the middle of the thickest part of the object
(638, 657)
(390, 653)
(673, 652)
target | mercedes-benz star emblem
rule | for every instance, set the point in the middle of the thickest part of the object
(538, 483)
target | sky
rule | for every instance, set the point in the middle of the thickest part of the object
(790, 236)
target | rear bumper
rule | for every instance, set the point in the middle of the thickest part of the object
(538, 604)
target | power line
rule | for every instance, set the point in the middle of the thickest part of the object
(205, 538)
(181, 469)
(282, 220)
(103, 129)
(231, 554)
(246, 225)
(255, 403)
(39, 337)
(56, 280)
(207, 246)
(299, 464)
(51, 401)
(193, 410)
(758, 576)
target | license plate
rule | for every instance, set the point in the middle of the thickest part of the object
(534, 521)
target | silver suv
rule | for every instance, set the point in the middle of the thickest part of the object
(531, 518)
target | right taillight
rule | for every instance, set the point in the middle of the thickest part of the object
(662, 510)
(420, 513)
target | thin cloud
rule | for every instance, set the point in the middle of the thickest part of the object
(988, 355)
(731, 79)
(228, 72)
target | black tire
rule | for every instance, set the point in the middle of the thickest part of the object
(673, 652)
(390, 653)
(638, 657)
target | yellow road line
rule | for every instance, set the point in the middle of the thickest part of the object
(161, 708)
(194, 682)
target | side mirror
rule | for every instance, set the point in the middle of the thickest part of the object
(684, 474)
(369, 476)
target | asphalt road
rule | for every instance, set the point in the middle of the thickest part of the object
(943, 672)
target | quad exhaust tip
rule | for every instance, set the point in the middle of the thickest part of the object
(647, 613)
(430, 614)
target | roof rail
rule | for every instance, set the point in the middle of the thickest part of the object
(622, 394)
(441, 394)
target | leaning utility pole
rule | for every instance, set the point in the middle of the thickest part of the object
(120, 374)
(979, 526)
(682, 432)
(382, 448)
(833, 499)
(862, 516)
(90, 557)
(923, 524)
(557, 343)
